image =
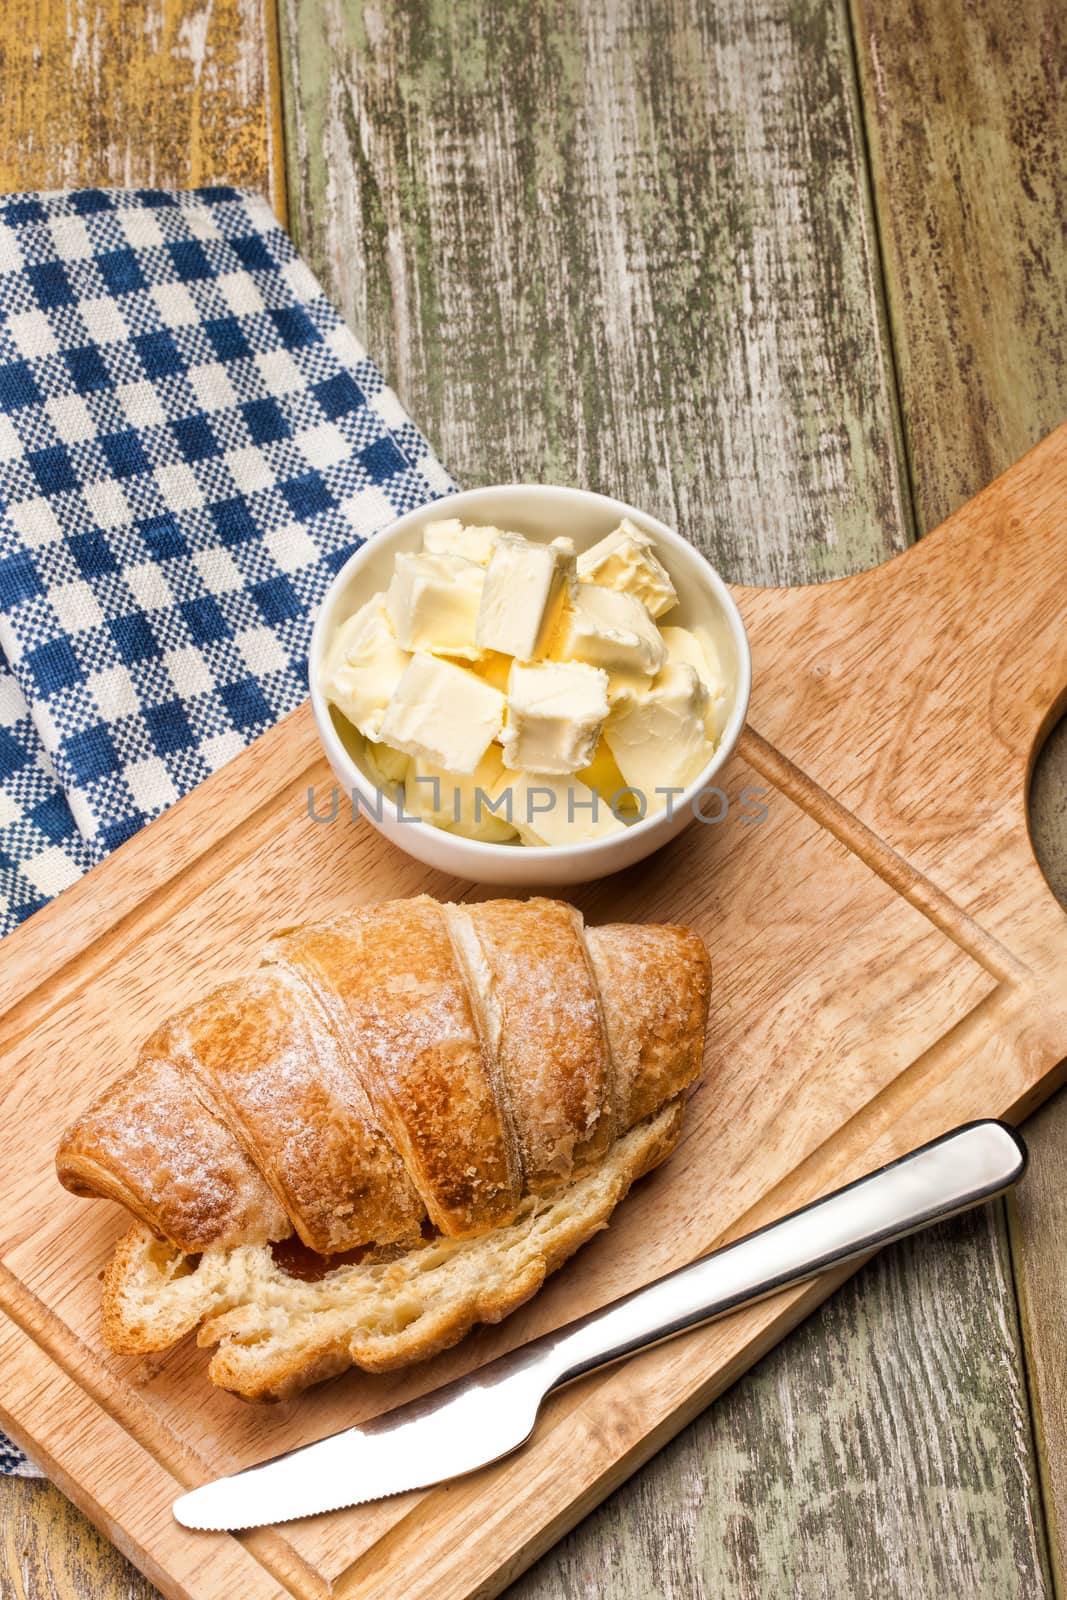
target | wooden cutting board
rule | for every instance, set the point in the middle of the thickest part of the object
(888, 962)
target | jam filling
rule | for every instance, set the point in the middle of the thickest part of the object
(297, 1260)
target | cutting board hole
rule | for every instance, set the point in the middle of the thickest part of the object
(1048, 810)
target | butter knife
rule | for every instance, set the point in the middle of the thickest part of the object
(491, 1412)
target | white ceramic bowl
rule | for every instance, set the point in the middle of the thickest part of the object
(540, 511)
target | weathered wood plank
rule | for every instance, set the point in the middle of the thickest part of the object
(49, 1551)
(870, 1454)
(124, 92)
(967, 121)
(1038, 1211)
(966, 106)
(629, 246)
(140, 92)
(545, 449)
(621, 244)
(1038, 1215)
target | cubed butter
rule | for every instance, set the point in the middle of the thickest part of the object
(626, 688)
(494, 668)
(525, 588)
(603, 775)
(660, 742)
(688, 647)
(556, 710)
(443, 713)
(694, 647)
(433, 603)
(387, 765)
(547, 809)
(626, 560)
(451, 537)
(363, 667)
(515, 693)
(610, 629)
(462, 805)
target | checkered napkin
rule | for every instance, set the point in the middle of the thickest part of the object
(191, 443)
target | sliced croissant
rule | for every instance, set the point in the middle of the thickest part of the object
(395, 1128)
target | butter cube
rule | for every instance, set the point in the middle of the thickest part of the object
(363, 666)
(443, 713)
(525, 587)
(626, 560)
(556, 710)
(547, 809)
(459, 804)
(603, 775)
(696, 648)
(433, 603)
(660, 741)
(494, 668)
(626, 688)
(387, 765)
(451, 537)
(610, 629)
(689, 648)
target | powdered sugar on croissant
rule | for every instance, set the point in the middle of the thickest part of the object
(438, 1087)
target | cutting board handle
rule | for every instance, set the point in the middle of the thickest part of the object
(919, 693)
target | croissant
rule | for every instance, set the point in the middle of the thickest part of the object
(395, 1128)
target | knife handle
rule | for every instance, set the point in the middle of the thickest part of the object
(953, 1173)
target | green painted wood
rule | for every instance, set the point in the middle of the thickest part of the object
(882, 1450)
(629, 244)
(966, 110)
(625, 243)
(1038, 1215)
(1038, 1209)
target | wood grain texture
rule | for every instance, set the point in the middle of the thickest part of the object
(914, 1014)
(966, 111)
(760, 1486)
(869, 1454)
(49, 1551)
(1038, 1215)
(1038, 1211)
(558, 440)
(431, 182)
(144, 93)
(626, 245)
(966, 105)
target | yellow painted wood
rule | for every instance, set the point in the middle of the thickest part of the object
(145, 93)
(154, 143)
(49, 1551)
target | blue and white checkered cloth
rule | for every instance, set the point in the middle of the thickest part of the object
(191, 443)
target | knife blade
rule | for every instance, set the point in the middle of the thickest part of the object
(477, 1419)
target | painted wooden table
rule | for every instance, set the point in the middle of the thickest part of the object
(793, 277)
